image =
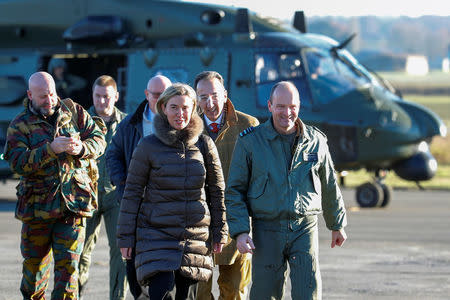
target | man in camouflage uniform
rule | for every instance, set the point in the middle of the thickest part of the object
(105, 96)
(223, 124)
(282, 176)
(52, 154)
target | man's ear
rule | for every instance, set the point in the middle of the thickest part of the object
(269, 105)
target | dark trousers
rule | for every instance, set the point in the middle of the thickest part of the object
(135, 288)
(172, 286)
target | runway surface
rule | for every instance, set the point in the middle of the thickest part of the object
(398, 252)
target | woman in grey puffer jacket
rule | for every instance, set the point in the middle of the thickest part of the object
(166, 211)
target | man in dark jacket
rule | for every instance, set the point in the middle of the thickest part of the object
(129, 132)
(223, 124)
(105, 96)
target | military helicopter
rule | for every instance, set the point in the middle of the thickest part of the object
(368, 125)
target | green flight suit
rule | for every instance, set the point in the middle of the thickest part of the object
(283, 193)
(108, 207)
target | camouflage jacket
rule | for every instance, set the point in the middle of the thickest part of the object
(52, 185)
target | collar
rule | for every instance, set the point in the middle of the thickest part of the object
(114, 116)
(271, 133)
(230, 115)
(218, 121)
(136, 118)
(148, 114)
(36, 117)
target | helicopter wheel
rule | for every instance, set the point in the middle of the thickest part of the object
(369, 195)
(387, 194)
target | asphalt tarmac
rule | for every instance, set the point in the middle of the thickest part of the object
(398, 252)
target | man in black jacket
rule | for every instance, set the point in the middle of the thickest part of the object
(129, 132)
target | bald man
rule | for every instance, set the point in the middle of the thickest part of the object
(50, 148)
(282, 176)
(118, 156)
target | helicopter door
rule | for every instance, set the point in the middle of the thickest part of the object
(179, 65)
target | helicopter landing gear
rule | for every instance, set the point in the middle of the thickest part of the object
(374, 194)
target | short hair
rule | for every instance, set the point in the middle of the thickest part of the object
(176, 89)
(208, 75)
(276, 85)
(105, 80)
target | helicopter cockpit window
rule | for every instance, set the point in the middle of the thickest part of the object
(271, 68)
(330, 77)
(266, 68)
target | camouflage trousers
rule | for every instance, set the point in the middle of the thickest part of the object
(63, 240)
(108, 207)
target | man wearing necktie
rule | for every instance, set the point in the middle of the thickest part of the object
(223, 124)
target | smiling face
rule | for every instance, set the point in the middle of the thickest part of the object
(284, 106)
(105, 98)
(212, 96)
(179, 111)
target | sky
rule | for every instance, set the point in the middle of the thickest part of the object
(285, 8)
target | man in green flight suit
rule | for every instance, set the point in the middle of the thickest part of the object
(282, 176)
(105, 96)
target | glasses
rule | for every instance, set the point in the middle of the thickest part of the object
(154, 94)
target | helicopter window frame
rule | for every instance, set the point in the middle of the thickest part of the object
(329, 75)
(347, 58)
(274, 64)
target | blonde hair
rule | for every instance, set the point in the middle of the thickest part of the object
(176, 89)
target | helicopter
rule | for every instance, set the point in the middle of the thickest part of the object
(367, 123)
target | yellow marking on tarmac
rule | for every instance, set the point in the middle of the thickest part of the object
(354, 208)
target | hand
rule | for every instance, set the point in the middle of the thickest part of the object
(66, 144)
(338, 237)
(217, 247)
(126, 252)
(244, 243)
(75, 148)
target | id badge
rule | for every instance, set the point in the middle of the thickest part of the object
(310, 156)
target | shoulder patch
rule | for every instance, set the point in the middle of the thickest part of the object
(246, 131)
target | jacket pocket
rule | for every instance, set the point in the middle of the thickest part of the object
(257, 188)
(84, 196)
(36, 201)
(314, 173)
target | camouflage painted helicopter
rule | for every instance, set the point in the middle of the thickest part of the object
(367, 124)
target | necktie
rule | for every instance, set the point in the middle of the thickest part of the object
(214, 127)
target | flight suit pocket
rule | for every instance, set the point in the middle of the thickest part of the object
(258, 187)
(314, 173)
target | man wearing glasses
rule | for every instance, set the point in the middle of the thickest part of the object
(118, 156)
(223, 124)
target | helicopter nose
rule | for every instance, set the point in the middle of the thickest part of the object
(429, 124)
